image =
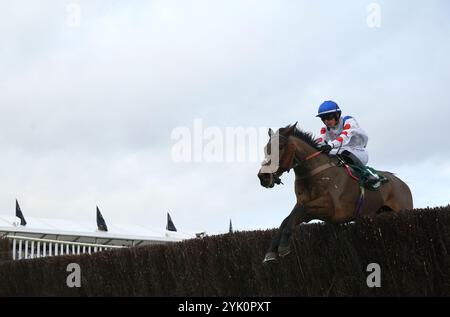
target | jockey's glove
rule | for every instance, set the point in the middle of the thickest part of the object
(326, 148)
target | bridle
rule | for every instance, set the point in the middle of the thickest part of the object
(298, 162)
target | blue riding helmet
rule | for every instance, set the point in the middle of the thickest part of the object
(328, 107)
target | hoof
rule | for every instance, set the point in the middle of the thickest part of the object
(270, 257)
(284, 250)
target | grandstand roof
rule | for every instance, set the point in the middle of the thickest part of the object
(69, 230)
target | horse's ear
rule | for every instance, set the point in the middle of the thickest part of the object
(271, 132)
(291, 128)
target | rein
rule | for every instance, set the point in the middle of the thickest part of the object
(298, 162)
(321, 168)
(313, 155)
(315, 171)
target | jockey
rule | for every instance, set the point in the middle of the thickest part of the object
(343, 136)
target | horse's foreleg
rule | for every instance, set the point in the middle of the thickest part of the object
(316, 209)
(297, 216)
(272, 253)
(280, 242)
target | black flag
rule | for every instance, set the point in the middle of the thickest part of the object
(230, 230)
(101, 224)
(170, 226)
(20, 215)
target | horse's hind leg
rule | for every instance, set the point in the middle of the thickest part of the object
(397, 194)
(397, 202)
(383, 209)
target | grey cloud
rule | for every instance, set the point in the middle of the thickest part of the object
(87, 112)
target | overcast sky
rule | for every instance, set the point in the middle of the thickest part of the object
(91, 91)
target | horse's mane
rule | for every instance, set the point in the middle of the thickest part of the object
(306, 137)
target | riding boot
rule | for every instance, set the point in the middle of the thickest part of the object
(350, 158)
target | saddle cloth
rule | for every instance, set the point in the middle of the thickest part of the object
(361, 173)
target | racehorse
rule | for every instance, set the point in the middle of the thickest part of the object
(324, 189)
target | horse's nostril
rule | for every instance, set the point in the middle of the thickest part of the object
(264, 179)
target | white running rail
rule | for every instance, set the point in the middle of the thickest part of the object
(32, 248)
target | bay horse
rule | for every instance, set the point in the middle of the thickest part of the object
(324, 190)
